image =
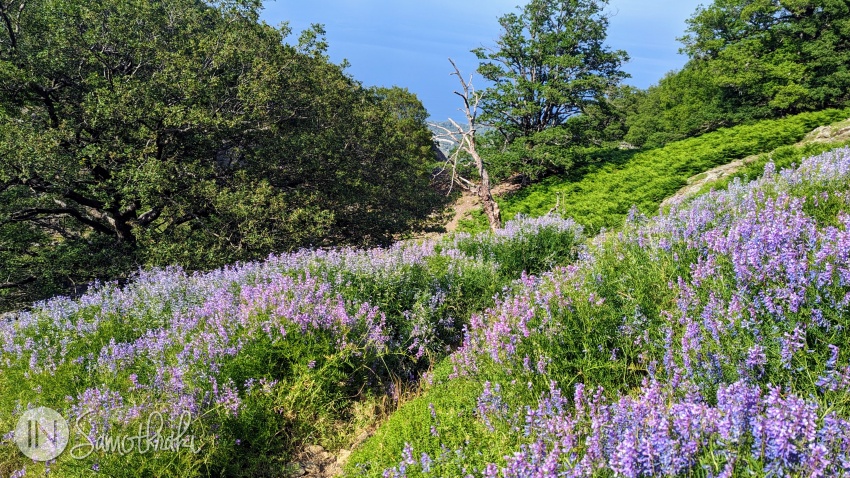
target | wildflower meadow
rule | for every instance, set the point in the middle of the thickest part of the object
(710, 340)
(264, 357)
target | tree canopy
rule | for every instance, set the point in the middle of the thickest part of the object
(550, 64)
(783, 56)
(749, 60)
(682, 104)
(148, 133)
(552, 81)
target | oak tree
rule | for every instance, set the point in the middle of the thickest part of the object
(138, 132)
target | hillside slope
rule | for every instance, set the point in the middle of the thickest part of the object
(601, 195)
(709, 341)
(822, 138)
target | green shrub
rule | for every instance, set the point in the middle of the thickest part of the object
(531, 245)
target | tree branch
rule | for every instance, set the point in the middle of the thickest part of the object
(82, 200)
(44, 93)
(35, 213)
(148, 217)
(465, 137)
(7, 22)
(15, 285)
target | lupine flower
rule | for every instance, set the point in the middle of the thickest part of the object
(788, 275)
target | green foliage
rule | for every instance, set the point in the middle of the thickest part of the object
(579, 140)
(556, 92)
(550, 64)
(475, 223)
(749, 60)
(600, 195)
(784, 56)
(625, 282)
(308, 387)
(300, 387)
(187, 133)
(530, 246)
(683, 104)
(454, 422)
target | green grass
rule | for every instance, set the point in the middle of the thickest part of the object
(625, 291)
(600, 195)
(476, 222)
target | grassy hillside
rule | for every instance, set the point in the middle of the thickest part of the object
(601, 195)
(781, 158)
(259, 359)
(710, 341)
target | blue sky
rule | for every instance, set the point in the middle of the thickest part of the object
(408, 42)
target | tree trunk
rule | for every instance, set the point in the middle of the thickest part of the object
(466, 140)
(491, 208)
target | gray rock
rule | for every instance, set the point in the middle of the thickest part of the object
(294, 470)
(314, 449)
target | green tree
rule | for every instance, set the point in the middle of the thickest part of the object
(550, 64)
(775, 56)
(389, 152)
(137, 132)
(557, 150)
(684, 103)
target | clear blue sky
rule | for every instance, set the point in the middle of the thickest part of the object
(408, 42)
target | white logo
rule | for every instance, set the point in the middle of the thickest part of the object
(42, 434)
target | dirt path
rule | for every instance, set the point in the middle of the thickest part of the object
(315, 462)
(469, 202)
(824, 134)
(465, 204)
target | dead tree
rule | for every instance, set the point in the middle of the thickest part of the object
(463, 138)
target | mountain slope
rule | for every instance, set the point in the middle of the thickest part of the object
(601, 195)
(709, 341)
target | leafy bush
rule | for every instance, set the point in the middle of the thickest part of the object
(532, 245)
(182, 146)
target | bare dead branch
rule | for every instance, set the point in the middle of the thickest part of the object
(464, 139)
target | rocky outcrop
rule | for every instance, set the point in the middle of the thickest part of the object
(823, 134)
(316, 462)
